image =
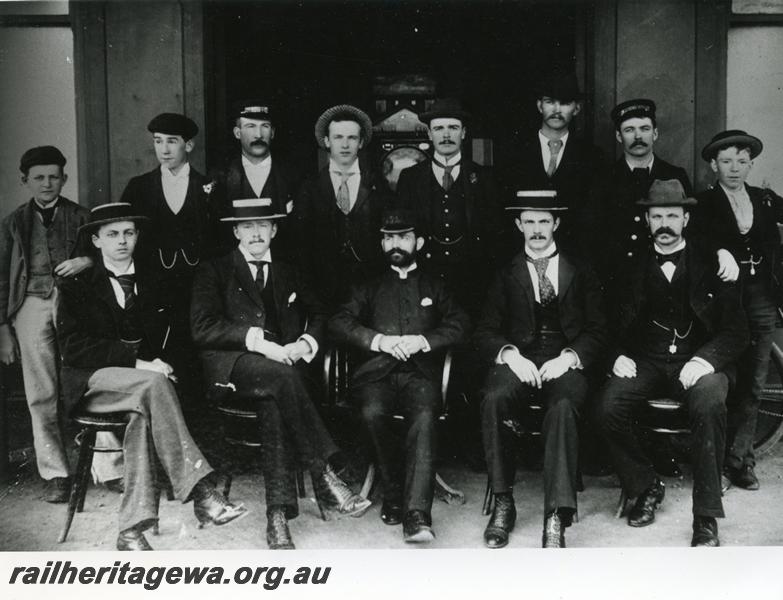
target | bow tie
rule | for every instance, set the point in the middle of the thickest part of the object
(674, 257)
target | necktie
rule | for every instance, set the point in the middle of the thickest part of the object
(554, 152)
(640, 175)
(447, 180)
(47, 214)
(343, 195)
(546, 290)
(127, 283)
(260, 279)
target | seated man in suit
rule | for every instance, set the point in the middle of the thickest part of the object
(679, 330)
(111, 334)
(403, 321)
(257, 324)
(542, 325)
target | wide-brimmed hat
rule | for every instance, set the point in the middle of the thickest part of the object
(560, 86)
(667, 192)
(252, 209)
(252, 109)
(398, 220)
(638, 107)
(536, 200)
(731, 137)
(173, 124)
(41, 155)
(342, 112)
(445, 108)
(111, 213)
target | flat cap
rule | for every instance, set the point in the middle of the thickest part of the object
(41, 155)
(173, 124)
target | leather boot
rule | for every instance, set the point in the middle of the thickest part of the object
(554, 532)
(132, 539)
(705, 531)
(210, 506)
(643, 511)
(333, 494)
(502, 521)
(278, 536)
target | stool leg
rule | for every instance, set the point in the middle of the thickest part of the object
(324, 516)
(488, 497)
(82, 466)
(618, 513)
(300, 484)
(83, 470)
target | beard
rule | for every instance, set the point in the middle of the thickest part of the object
(400, 258)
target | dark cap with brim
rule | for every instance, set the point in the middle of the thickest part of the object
(41, 155)
(252, 209)
(637, 108)
(111, 213)
(667, 192)
(545, 200)
(252, 109)
(732, 137)
(173, 124)
(398, 221)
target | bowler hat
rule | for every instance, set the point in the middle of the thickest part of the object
(537, 200)
(560, 86)
(667, 192)
(252, 109)
(342, 112)
(732, 137)
(252, 209)
(41, 155)
(638, 107)
(398, 220)
(111, 213)
(173, 124)
(445, 108)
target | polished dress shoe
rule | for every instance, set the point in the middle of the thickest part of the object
(643, 511)
(705, 531)
(391, 511)
(57, 490)
(132, 539)
(417, 527)
(210, 506)
(554, 532)
(743, 477)
(333, 494)
(278, 537)
(501, 523)
(115, 485)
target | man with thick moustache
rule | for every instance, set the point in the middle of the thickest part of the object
(258, 325)
(679, 329)
(456, 206)
(743, 220)
(337, 213)
(112, 332)
(403, 322)
(255, 172)
(542, 325)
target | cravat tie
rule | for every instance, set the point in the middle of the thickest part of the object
(546, 290)
(448, 179)
(343, 195)
(554, 152)
(674, 257)
(127, 283)
(260, 279)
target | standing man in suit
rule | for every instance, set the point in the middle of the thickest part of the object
(255, 173)
(258, 325)
(38, 249)
(338, 213)
(456, 207)
(679, 329)
(182, 229)
(743, 220)
(112, 331)
(403, 322)
(542, 325)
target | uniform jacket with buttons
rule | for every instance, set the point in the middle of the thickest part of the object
(226, 303)
(416, 305)
(15, 233)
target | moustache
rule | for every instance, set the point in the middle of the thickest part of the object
(555, 116)
(537, 236)
(664, 231)
(639, 143)
(261, 143)
(445, 142)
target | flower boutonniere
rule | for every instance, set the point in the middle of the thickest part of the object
(291, 298)
(209, 187)
(473, 178)
(426, 301)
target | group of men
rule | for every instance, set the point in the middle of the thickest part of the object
(252, 272)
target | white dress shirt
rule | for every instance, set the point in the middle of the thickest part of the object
(257, 173)
(669, 267)
(175, 187)
(546, 153)
(438, 171)
(648, 166)
(353, 181)
(119, 293)
(551, 269)
(741, 206)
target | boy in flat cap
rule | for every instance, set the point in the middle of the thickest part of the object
(38, 248)
(403, 322)
(338, 212)
(112, 331)
(182, 229)
(743, 220)
(542, 325)
(678, 328)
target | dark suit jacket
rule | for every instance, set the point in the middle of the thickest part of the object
(509, 312)
(226, 303)
(145, 194)
(374, 307)
(316, 220)
(88, 327)
(715, 304)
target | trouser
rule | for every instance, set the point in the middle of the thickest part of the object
(502, 401)
(622, 398)
(34, 324)
(752, 369)
(292, 432)
(418, 399)
(155, 428)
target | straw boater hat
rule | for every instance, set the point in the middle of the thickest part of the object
(667, 192)
(111, 213)
(732, 137)
(322, 124)
(537, 200)
(252, 209)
